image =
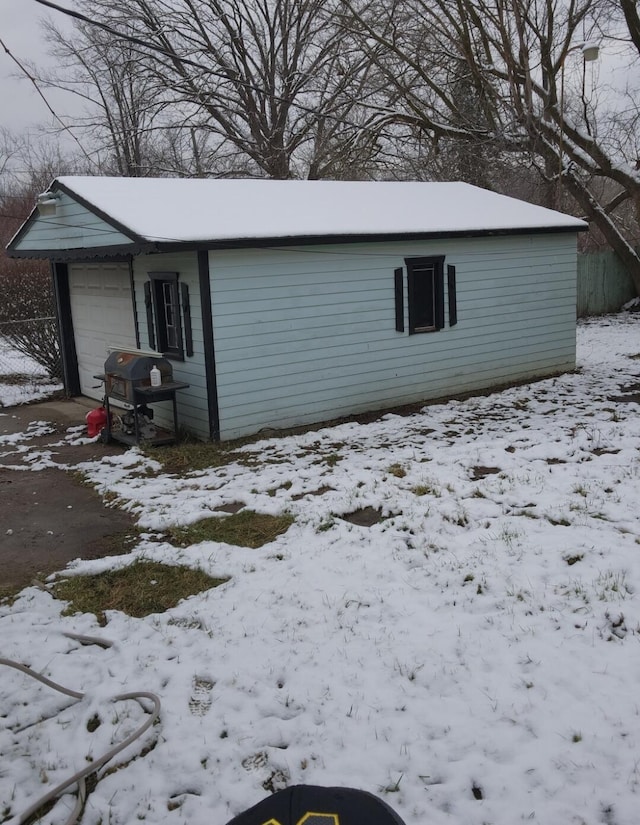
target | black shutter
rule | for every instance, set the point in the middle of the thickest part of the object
(453, 305)
(399, 297)
(438, 296)
(148, 302)
(186, 314)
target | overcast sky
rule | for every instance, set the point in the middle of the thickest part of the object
(21, 109)
(20, 106)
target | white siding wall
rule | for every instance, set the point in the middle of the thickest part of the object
(305, 335)
(192, 402)
(72, 227)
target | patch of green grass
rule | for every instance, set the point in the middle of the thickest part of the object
(562, 521)
(142, 588)
(573, 558)
(526, 513)
(581, 490)
(459, 518)
(611, 585)
(187, 456)
(426, 489)
(287, 485)
(244, 529)
(9, 594)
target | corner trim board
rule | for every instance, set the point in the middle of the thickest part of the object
(208, 344)
(70, 374)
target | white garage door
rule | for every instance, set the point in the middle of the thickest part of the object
(102, 312)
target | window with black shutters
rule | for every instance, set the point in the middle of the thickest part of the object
(425, 281)
(168, 315)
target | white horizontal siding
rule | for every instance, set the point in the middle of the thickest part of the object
(72, 227)
(309, 334)
(192, 402)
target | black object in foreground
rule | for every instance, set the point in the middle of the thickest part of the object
(314, 805)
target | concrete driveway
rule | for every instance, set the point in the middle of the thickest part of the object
(48, 517)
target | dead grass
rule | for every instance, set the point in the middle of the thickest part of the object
(243, 529)
(142, 588)
(186, 456)
(191, 454)
(8, 594)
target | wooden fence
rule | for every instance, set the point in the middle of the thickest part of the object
(604, 285)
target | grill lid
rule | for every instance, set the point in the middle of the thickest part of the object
(135, 367)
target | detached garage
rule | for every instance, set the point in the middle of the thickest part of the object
(282, 303)
(102, 317)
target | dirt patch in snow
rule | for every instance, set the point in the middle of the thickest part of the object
(47, 516)
(365, 517)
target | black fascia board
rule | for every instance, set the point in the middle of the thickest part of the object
(119, 227)
(322, 240)
(143, 246)
(22, 231)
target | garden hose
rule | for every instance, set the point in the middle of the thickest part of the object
(79, 777)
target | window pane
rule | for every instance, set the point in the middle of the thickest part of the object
(167, 312)
(423, 296)
(170, 314)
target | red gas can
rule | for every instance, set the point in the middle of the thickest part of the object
(96, 420)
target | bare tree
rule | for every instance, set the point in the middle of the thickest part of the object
(255, 87)
(27, 309)
(122, 107)
(629, 9)
(513, 59)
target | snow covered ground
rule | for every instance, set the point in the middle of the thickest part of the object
(472, 658)
(33, 386)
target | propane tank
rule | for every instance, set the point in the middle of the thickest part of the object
(96, 421)
(156, 376)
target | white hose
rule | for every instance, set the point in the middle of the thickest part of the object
(80, 776)
(89, 640)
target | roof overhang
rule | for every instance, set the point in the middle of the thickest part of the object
(84, 253)
(141, 241)
(145, 248)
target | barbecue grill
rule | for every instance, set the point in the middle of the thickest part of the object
(126, 372)
(127, 379)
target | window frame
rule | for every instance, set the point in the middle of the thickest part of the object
(436, 303)
(159, 282)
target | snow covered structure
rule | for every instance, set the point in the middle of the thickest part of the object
(291, 302)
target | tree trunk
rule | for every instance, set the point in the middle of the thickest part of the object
(594, 212)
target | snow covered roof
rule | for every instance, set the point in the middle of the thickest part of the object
(219, 210)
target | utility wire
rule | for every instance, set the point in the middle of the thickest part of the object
(188, 62)
(30, 77)
(120, 35)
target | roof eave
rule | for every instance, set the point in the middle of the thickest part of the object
(141, 246)
(85, 253)
(317, 240)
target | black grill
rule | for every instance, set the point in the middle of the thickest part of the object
(127, 372)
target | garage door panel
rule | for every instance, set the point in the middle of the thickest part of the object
(102, 313)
